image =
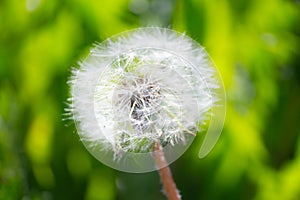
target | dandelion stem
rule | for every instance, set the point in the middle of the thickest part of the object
(165, 173)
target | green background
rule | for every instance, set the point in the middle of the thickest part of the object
(254, 43)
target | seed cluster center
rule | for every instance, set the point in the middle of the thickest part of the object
(144, 104)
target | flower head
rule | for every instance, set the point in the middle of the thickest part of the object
(140, 87)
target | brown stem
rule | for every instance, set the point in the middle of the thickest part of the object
(165, 173)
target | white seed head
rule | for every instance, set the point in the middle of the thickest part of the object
(140, 87)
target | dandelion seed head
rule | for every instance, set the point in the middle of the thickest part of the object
(140, 87)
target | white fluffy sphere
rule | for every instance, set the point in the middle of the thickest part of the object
(144, 86)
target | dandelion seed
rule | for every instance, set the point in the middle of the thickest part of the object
(142, 87)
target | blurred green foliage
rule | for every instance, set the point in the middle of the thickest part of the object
(256, 46)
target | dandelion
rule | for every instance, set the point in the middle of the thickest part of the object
(142, 92)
